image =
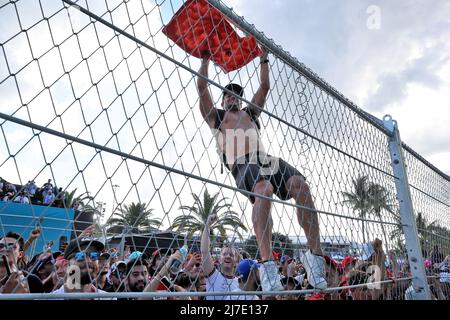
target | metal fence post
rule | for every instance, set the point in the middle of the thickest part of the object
(414, 250)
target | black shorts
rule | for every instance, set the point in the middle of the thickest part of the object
(248, 174)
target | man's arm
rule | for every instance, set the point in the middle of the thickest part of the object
(260, 96)
(33, 235)
(156, 280)
(208, 264)
(206, 104)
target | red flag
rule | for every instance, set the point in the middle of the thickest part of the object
(199, 28)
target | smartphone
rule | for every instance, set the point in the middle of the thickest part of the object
(169, 285)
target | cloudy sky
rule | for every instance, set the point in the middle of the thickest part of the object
(399, 66)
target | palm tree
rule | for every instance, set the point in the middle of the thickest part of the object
(424, 229)
(136, 217)
(83, 212)
(70, 200)
(380, 200)
(359, 200)
(195, 220)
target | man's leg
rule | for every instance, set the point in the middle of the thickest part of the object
(308, 220)
(262, 219)
(262, 223)
(313, 261)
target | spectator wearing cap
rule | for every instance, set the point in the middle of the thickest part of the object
(83, 255)
(11, 247)
(348, 263)
(42, 265)
(117, 276)
(249, 280)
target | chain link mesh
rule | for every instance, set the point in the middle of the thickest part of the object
(134, 92)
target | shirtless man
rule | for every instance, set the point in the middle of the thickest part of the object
(238, 139)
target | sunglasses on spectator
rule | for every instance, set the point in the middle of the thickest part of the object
(81, 256)
(8, 246)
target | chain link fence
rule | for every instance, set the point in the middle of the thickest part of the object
(96, 98)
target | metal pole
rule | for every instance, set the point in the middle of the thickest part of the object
(414, 250)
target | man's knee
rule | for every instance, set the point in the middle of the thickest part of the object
(263, 188)
(298, 187)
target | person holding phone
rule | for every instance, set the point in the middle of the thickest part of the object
(161, 277)
(12, 279)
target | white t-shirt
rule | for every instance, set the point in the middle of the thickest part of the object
(21, 199)
(217, 282)
(241, 297)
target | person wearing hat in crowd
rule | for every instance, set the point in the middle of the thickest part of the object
(116, 276)
(348, 263)
(42, 265)
(83, 268)
(238, 137)
(248, 280)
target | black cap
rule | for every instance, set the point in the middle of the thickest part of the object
(235, 88)
(105, 256)
(75, 245)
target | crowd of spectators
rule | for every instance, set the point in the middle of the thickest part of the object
(85, 265)
(30, 193)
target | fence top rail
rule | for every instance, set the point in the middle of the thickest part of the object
(424, 161)
(311, 75)
(159, 294)
(296, 64)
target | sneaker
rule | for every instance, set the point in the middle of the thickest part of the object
(270, 277)
(315, 269)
